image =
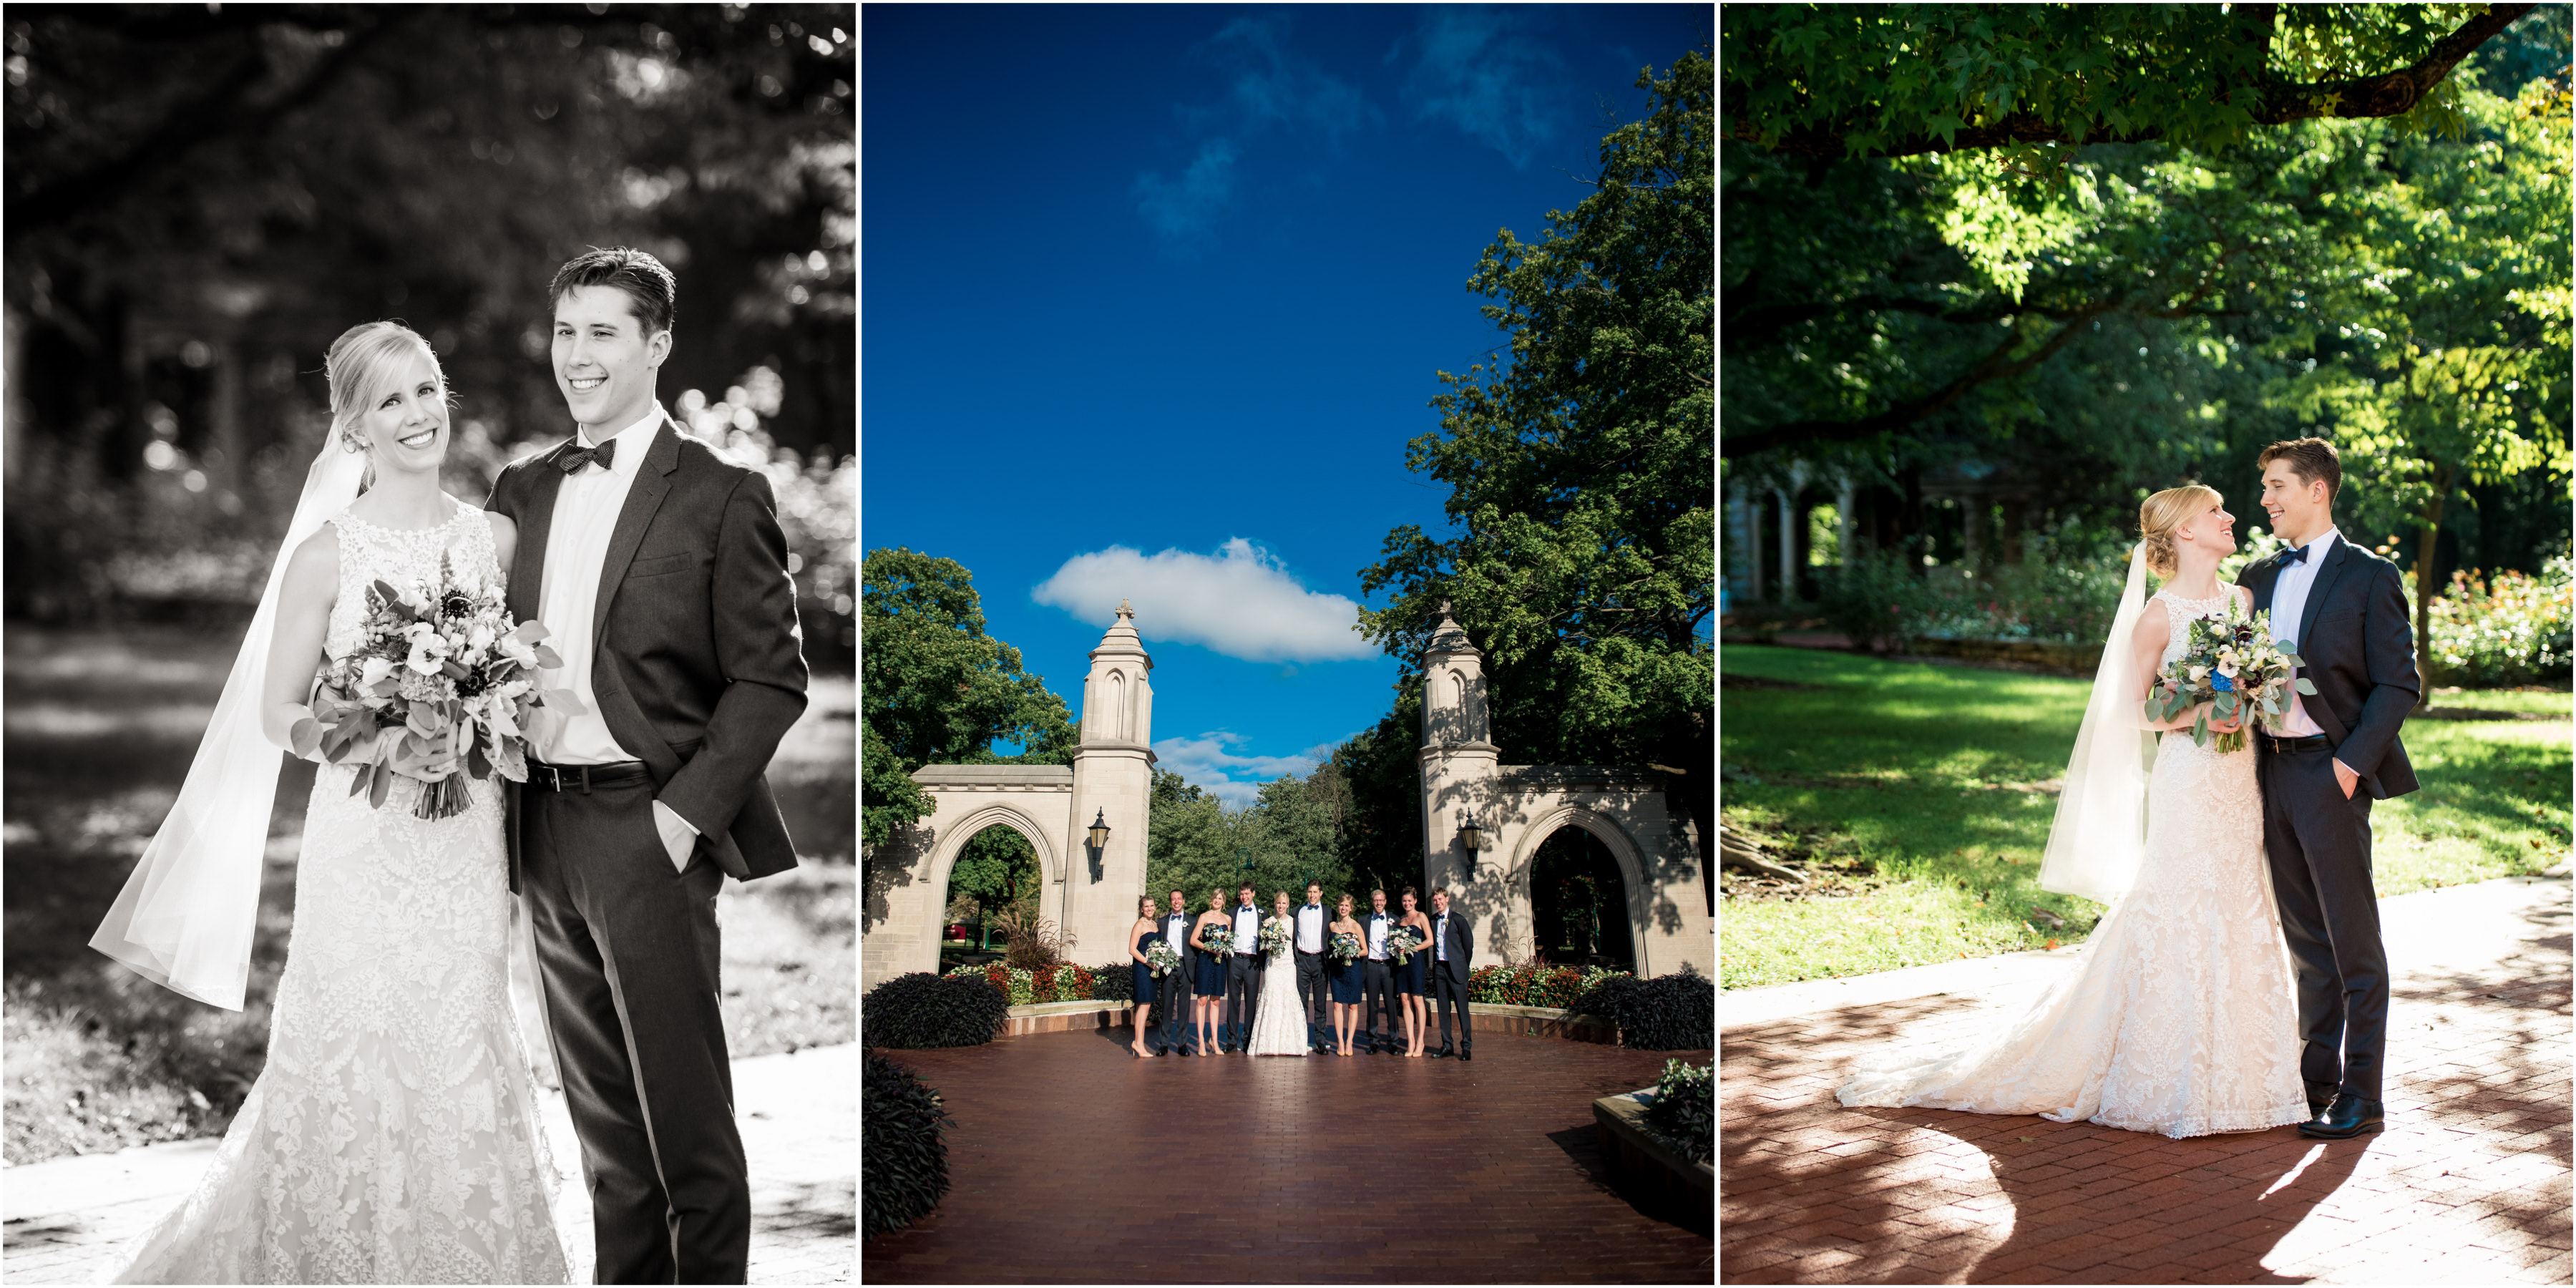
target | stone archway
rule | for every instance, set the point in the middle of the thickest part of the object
(1090, 895)
(1623, 853)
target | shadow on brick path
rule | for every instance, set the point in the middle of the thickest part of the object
(2470, 1182)
(1073, 1160)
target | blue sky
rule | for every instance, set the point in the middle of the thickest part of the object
(1153, 298)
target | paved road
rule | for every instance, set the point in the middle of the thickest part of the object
(69, 1220)
(1074, 1161)
(2469, 1184)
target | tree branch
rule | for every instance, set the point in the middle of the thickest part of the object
(2360, 97)
(1997, 365)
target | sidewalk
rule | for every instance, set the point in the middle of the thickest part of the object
(2468, 1184)
(69, 1220)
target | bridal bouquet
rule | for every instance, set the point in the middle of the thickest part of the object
(1401, 941)
(1162, 958)
(1274, 936)
(2230, 662)
(1216, 937)
(1347, 945)
(441, 685)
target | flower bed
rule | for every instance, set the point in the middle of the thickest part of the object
(2509, 628)
(1026, 987)
(1536, 984)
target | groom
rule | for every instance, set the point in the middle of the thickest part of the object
(662, 574)
(2343, 611)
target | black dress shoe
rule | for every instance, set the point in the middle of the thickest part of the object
(2347, 1117)
(2320, 1095)
(1465, 1056)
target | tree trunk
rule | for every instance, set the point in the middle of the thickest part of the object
(2428, 529)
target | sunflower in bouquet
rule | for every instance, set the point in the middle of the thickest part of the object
(440, 687)
(2231, 662)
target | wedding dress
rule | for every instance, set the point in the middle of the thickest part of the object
(393, 1136)
(2181, 1017)
(1279, 1023)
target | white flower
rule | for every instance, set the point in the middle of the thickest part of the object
(480, 637)
(373, 670)
(428, 650)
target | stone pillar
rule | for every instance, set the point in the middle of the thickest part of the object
(1113, 780)
(1460, 772)
(1788, 545)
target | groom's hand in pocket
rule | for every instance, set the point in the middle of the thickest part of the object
(2346, 779)
(678, 838)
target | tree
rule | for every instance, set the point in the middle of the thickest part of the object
(2447, 361)
(1908, 79)
(1581, 469)
(1190, 841)
(935, 689)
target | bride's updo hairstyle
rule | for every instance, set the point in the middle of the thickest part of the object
(2160, 514)
(362, 367)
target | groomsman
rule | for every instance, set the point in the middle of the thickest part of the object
(1377, 981)
(1311, 993)
(1175, 991)
(1453, 944)
(1243, 975)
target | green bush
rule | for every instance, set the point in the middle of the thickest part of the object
(1115, 982)
(1685, 1108)
(1536, 984)
(922, 1010)
(2066, 589)
(2511, 628)
(903, 1162)
(1676, 1012)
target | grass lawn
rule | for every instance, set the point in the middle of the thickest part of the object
(99, 730)
(1933, 788)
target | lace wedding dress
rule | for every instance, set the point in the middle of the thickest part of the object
(393, 1136)
(2181, 1018)
(1279, 1023)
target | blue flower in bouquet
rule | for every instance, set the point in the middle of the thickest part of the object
(2221, 683)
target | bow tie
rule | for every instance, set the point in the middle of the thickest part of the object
(2295, 555)
(572, 461)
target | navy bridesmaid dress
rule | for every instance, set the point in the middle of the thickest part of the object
(1143, 974)
(1211, 977)
(1346, 983)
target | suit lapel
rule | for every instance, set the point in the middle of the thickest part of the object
(2260, 579)
(536, 523)
(2319, 588)
(643, 499)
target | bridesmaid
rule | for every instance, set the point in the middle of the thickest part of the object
(1410, 976)
(1214, 935)
(1142, 936)
(1346, 976)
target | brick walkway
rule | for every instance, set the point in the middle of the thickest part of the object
(1073, 1160)
(2469, 1183)
(71, 1220)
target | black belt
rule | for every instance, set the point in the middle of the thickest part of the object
(2293, 746)
(582, 778)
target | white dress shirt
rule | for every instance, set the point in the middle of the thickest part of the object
(1310, 928)
(1247, 929)
(2289, 610)
(1440, 937)
(1378, 925)
(1176, 930)
(576, 548)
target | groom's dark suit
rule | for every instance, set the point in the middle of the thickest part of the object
(2356, 647)
(698, 671)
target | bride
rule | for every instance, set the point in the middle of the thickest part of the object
(393, 1136)
(1278, 1027)
(2181, 1018)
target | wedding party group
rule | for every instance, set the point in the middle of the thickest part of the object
(1257, 983)
(564, 700)
(2238, 981)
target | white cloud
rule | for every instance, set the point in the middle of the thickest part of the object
(1182, 209)
(1485, 72)
(1240, 602)
(1209, 765)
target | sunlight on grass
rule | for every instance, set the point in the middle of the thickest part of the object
(1944, 779)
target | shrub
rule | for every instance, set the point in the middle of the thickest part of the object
(903, 1162)
(1685, 1108)
(2511, 628)
(1060, 983)
(1534, 984)
(1034, 940)
(1113, 983)
(1675, 1012)
(925, 1010)
(1014, 986)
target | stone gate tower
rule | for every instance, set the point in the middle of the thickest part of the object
(1113, 782)
(1516, 807)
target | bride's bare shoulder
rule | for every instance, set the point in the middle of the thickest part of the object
(2152, 621)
